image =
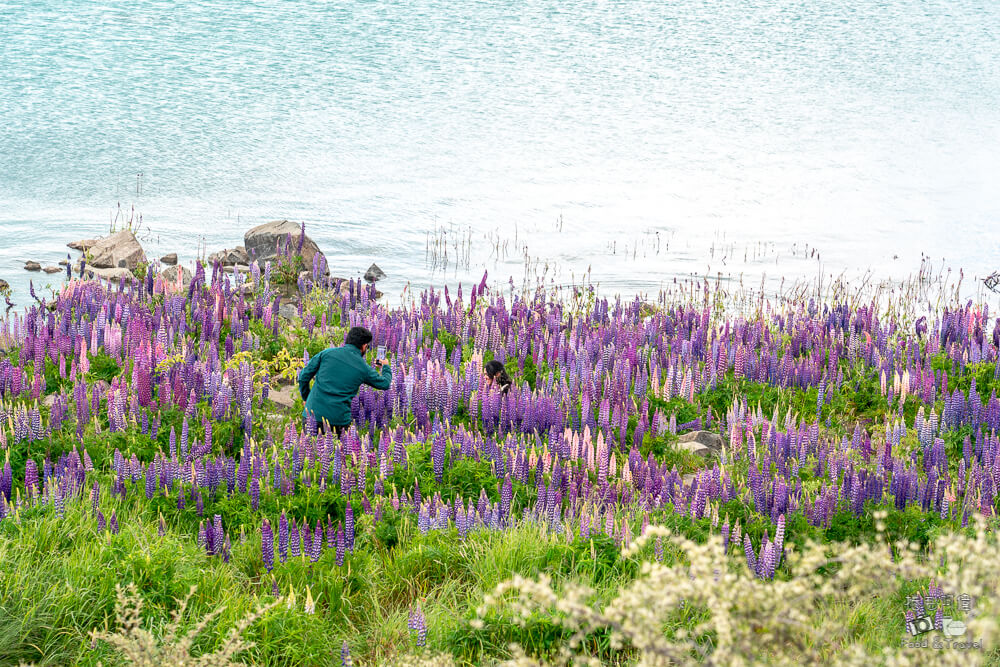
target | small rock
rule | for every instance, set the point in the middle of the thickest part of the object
(4, 286)
(230, 256)
(702, 443)
(694, 448)
(170, 259)
(236, 268)
(32, 266)
(288, 311)
(117, 274)
(284, 397)
(49, 401)
(82, 245)
(170, 275)
(63, 262)
(374, 274)
(52, 269)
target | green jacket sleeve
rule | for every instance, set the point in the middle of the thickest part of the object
(374, 379)
(307, 373)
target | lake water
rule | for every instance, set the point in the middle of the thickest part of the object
(644, 139)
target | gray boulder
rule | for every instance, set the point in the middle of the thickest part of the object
(82, 245)
(262, 241)
(170, 275)
(283, 397)
(230, 256)
(51, 269)
(374, 274)
(120, 250)
(702, 443)
(288, 311)
(32, 266)
(170, 259)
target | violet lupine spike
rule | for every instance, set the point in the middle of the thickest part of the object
(417, 624)
(283, 538)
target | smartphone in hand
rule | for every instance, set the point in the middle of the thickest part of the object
(380, 353)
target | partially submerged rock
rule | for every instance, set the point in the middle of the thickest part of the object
(374, 273)
(82, 245)
(120, 250)
(32, 265)
(169, 259)
(51, 269)
(262, 242)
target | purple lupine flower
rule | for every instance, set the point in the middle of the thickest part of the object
(748, 551)
(101, 522)
(418, 624)
(283, 537)
(267, 545)
(506, 497)
(349, 526)
(345, 652)
(296, 538)
(113, 524)
(341, 546)
(317, 542)
(31, 476)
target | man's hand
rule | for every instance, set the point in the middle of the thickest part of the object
(379, 363)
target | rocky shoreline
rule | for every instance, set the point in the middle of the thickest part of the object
(120, 257)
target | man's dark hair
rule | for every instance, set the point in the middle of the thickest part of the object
(358, 336)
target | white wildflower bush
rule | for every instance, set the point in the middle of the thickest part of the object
(141, 648)
(736, 618)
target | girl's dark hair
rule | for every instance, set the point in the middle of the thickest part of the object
(495, 371)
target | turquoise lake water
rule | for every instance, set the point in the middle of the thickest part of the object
(645, 140)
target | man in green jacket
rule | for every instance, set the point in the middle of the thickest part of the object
(339, 373)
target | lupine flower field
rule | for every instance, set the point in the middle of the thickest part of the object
(141, 446)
